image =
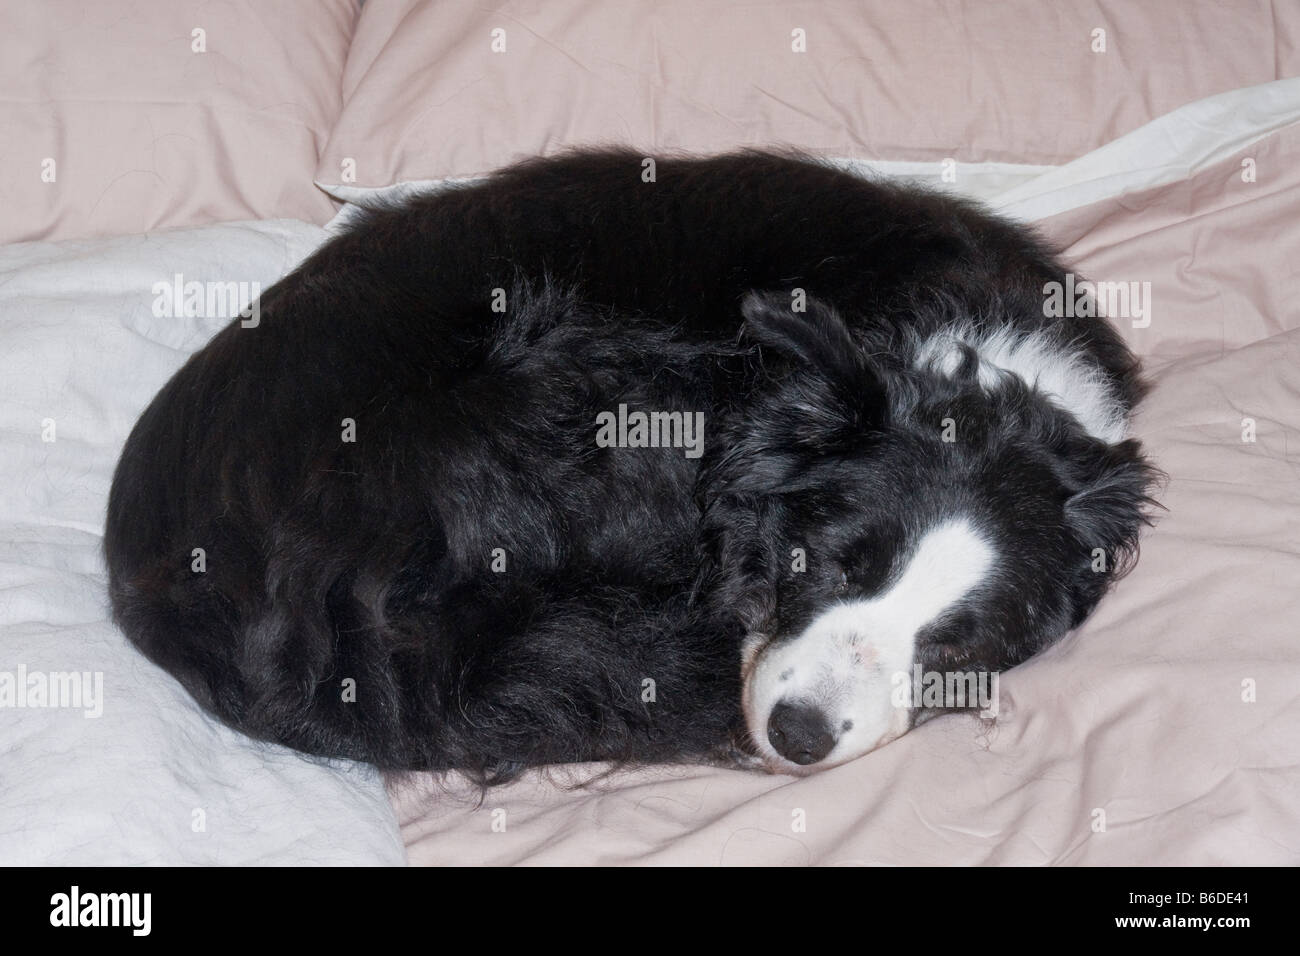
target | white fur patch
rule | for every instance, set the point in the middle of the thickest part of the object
(1063, 377)
(845, 660)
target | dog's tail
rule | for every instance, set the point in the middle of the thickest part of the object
(314, 670)
(308, 637)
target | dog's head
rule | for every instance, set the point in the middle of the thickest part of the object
(904, 519)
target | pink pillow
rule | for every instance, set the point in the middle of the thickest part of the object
(452, 88)
(115, 122)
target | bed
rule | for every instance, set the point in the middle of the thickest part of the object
(156, 144)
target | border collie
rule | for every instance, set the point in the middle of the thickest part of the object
(428, 512)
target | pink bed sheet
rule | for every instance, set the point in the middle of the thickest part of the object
(453, 88)
(1164, 731)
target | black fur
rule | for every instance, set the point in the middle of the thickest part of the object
(371, 560)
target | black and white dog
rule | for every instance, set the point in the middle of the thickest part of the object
(608, 459)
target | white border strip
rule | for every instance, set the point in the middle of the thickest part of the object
(1163, 151)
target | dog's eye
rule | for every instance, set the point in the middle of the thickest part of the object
(844, 579)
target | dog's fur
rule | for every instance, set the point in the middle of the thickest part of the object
(943, 459)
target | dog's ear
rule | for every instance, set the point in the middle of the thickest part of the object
(808, 331)
(822, 399)
(831, 392)
(1109, 503)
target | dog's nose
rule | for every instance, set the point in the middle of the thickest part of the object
(800, 734)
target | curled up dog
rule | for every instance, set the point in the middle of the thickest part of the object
(449, 520)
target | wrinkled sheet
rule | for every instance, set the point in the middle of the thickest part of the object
(455, 88)
(135, 773)
(1166, 730)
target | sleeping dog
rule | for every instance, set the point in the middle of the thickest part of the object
(604, 458)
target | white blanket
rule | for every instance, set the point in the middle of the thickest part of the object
(128, 770)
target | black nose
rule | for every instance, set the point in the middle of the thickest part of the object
(799, 733)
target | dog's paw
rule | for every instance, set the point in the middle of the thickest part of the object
(738, 756)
